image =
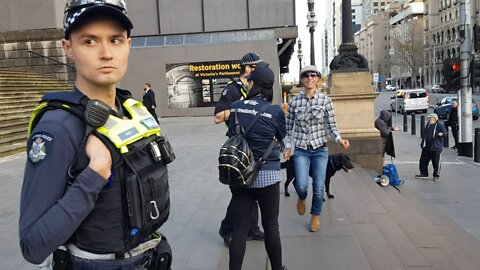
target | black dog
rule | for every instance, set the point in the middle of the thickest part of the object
(335, 163)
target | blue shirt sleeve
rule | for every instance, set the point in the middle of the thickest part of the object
(49, 214)
(229, 95)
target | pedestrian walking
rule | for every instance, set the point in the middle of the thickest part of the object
(149, 100)
(236, 90)
(432, 145)
(453, 122)
(310, 117)
(266, 188)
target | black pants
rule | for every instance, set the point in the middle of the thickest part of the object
(226, 228)
(153, 113)
(455, 134)
(243, 199)
(425, 158)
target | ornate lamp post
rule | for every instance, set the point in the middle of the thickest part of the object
(348, 59)
(312, 23)
(300, 54)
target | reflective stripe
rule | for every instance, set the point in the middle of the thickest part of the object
(122, 132)
(34, 114)
(238, 171)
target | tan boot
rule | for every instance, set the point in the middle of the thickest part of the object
(315, 223)
(301, 207)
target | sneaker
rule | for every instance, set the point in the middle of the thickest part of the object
(454, 147)
(436, 178)
(257, 235)
(421, 176)
(226, 237)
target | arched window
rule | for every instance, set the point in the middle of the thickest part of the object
(434, 40)
(448, 35)
(448, 54)
(454, 34)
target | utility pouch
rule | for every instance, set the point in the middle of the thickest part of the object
(146, 184)
(61, 260)
(133, 201)
(165, 149)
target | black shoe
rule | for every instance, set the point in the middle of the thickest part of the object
(454, 147)
(436, 178)
(421, 176)
(256, 235)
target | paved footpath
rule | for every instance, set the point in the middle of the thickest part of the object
(364, 227)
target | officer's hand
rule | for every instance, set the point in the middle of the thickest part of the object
(287, 153)
(100, 158)
(440, 134)
(344, 143)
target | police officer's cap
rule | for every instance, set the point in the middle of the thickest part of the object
(76, 11)
(250, 59)
(263, 77)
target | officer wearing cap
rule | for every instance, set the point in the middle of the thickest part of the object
(266, 188)
(237, 89)
(85, 215)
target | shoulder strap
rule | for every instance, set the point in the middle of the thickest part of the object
(268, 151)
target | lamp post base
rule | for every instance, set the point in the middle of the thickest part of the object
(348, 59)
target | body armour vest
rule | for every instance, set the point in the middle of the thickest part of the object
(136, 201)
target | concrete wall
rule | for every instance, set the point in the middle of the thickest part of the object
(149, 65)
(17, 15)
(194, 16)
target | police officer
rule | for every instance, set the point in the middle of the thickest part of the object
(86, 215)
(237, 89)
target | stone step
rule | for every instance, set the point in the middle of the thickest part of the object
(32, 93)
(22, 122)
(15, 119)
(35, 83)
(14, 112)
(12, 149)
(22, 138)
(35, 88)
(12, 132)
(24, 105)
(13, 101)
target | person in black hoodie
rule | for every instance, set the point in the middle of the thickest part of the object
(266, 187)
(432, 145)
(382, 125)
(453, 122)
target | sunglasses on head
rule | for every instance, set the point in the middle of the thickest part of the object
(306, 75)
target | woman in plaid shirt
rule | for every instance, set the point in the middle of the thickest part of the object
(310, 116)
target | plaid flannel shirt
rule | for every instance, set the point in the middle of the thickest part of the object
(312, 119)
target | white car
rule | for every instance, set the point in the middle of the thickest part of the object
(390, 87)
(409, 100)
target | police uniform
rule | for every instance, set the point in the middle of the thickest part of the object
(87, 215)
(234, 91)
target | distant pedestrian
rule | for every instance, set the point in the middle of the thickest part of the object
(149, 100)
(382, 124)
(453, 122)
(432, 145)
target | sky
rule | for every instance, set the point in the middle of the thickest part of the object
(301, 9)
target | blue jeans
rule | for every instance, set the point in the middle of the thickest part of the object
(318, 159)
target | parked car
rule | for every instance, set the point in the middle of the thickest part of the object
(409, 100)
(437, 89)
(390, 87)
(445, 105)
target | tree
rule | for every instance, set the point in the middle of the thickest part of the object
(406, 41)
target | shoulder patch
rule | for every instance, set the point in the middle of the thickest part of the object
(39, 148)
(225, 91)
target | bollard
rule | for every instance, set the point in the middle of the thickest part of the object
(422, 125)
(414, 124)
(476, 147)
(445, 136)
(405, 124)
